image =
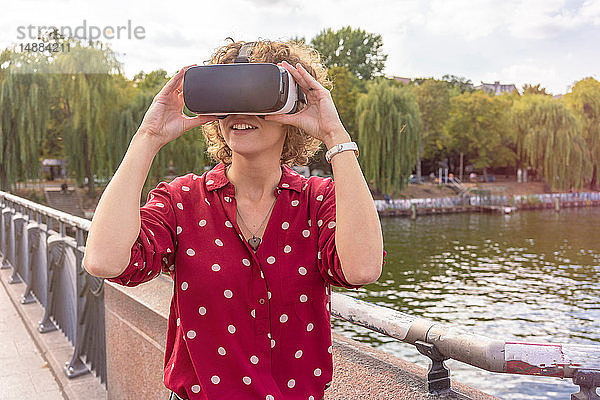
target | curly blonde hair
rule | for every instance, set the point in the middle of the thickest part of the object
(298, 146)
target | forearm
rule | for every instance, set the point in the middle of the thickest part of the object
(116, 222)
(358, 237)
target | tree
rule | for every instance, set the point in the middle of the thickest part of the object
(476, 126)
(530, 89)
(433, 99)
(550, 140)
(355, 49)
(346, 89)
(584, 100)
(24, 112)
(389, 131)
(459, 83)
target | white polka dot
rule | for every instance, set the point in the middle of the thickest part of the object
(178, 230)
(202, 310)
(228, 224)
(228, 293)
(169, 250)
(254, 360)
(184, 286)
(185, 188)
(295, 203)
(272, 343)
(269, 335)
(253, 313)
(209, 182)
(311, 397)
(331, 224)
(271, 259)
(190, 252)
(150, 230)
(216, 267)
(178, 321)
(317, 372)
(310, 327)
(215, 379)
(222, 351)
(191, 334)
(291, 383)
(227, 198)
(303, 298)
(305, 186)
(269, 295)
(285, 225)
(287, 249)
(202, 222)
(246, 262)
(327, 306)
(305, 233)
(247, 380)
(298, 354)
(319, 255)
(329, 349)
(206, 200)
(195, 388)
(231, 329)
(320, 222)
(283, 318)
(309, 223)
(285, 185)
(180, 206)
(261, 274)
(195, 177)
(320, 197)
(218, 242)
(160, 205)
(269, 397)
(302, 271)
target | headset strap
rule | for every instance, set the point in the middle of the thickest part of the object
(245, 52)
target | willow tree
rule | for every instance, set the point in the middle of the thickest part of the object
(549, 138)
(389, 132)
(584, 100)
(24, 113)
(85, 76)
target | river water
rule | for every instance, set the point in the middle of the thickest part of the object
(530, 276)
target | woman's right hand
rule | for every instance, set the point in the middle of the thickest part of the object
(165, 121)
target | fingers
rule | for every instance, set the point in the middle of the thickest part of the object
(304, 79)
(192, 122)
(176, 82)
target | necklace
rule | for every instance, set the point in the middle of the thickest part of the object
(254, 241)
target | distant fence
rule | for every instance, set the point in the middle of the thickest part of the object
(480, 200)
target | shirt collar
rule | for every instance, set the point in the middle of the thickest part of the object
(290, 179)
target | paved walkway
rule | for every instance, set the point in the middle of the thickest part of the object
(23, 371)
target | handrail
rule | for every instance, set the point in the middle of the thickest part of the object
(447, 342)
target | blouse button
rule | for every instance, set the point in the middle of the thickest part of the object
(261, 301)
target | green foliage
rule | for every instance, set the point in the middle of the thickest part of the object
(389, 132)
(549, 138)
(478, 126)
(458, 84)
(534, 89)
(355, 49)
(346, 89)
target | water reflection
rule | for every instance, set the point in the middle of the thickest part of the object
(532, 275)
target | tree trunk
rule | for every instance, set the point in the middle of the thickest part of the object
(419, 154)
(485, 177)
(594, 178)
(461, 166)
(88, 165)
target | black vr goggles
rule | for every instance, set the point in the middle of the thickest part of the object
(241, 88)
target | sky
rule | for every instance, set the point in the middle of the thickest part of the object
(551, 42)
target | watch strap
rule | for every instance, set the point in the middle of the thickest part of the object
(338, 148)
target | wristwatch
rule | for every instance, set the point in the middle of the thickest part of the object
(338, 148)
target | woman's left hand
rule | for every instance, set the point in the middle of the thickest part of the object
(319, 118)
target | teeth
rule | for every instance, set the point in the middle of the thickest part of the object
(242, 126)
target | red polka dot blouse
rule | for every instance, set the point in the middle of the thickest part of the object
(242, 325)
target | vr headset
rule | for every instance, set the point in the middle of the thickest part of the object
(241, 88)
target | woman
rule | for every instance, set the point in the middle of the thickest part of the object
(252, 246)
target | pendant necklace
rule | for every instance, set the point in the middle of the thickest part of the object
(254, 241)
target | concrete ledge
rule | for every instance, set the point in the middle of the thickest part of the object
(54, 346)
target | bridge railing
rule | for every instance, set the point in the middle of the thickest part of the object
(45, 247)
